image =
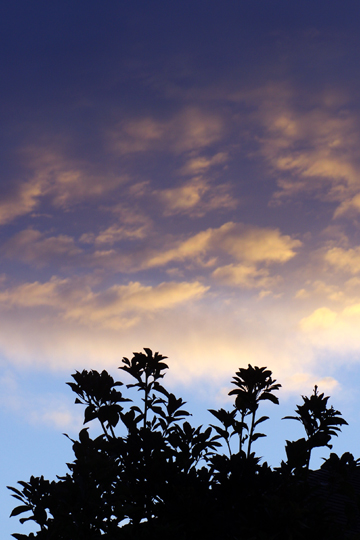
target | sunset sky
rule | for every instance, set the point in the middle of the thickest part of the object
(183, 176)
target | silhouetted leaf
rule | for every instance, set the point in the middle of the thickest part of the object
(256, 436)
(260, 420)
(20, 509)
(270, 397)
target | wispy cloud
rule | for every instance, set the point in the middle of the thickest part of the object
(248, 276)
(196, 197)
(67, 180)
(32, 246)
(53, 411)
(312, 148)
(201, 164)
(21, 200)
(347, 260)
(52, 174)
(116, 307)
(189, 130)
(243, 243)
(178, 319)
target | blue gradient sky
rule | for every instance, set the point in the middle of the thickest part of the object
(183, 176)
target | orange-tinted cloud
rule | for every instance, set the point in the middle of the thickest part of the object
(116, 307)
(34, 247)
(22, 200)
(311, 149)
(196, 197)
(252, 244)
(344, 259)
(242, 275)
(192, 129)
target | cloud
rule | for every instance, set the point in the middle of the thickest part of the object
(257, 244)
(335, 330)
(21, 200)
(244, 276)
(67, 180)
(206, 336)
(300, 380)
(64, 180)
(53, 176)
(33, 247)
(131, 224)
(191, 129)
(244, 243)
(54, 293)
(183, 198)
(122, 304)
(114, 234)
(55, 415)
(321, 318)
(196, 197)
(200, 164)
(53, 410)
(349, 206)
(312, 148)
(344, 259)
(230, 242)
(116, 307)
(319, 290)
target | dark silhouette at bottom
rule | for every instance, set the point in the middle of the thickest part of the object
(152, 475)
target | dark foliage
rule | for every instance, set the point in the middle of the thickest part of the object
(160, 477)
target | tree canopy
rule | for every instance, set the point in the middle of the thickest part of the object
(151, 474)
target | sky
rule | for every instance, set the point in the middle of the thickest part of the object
(183, 176)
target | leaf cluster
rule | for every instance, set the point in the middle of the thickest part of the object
(320, 423)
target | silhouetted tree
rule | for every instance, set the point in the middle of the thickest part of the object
(320, 423)
(152, 475)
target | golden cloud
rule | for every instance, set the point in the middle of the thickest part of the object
(80, 327)
(115, 307)
(336, 331)
(244, 276)
(251, 244)
(65, 180)
(185, 197)
(32, 246)
(21, 201)
(316, 148)
(259, 244)
(54, 293)
(248, 245)
(189, 130)
(196, 197)
(322, 318)
(344, 259)
(349, 206)
(200, 164)
(108, 308)
(114, 234)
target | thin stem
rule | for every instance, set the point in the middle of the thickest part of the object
(228, 445)
(251, 432)
(105, 430)
(146, 398)
(241, 432)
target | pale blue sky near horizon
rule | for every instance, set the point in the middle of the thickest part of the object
(179, 176)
